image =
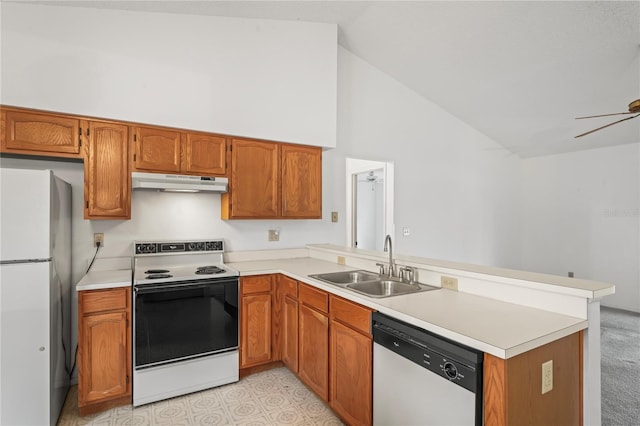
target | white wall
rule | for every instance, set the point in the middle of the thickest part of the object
(581, 214)
(455, 189)
(256, 78)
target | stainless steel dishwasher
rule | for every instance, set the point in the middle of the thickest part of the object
(420, 378)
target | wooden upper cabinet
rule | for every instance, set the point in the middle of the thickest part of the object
(107, 178)
(156, 149)
(254, 188)
(271, 180)
(301, 181)
(41, 134)
(204, 154)
(161, 150)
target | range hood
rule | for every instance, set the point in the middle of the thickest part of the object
(177, 183)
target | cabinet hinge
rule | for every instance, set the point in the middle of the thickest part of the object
(126, 322)
(127, 379)
(80, 142)
(87, 204)
(134, 158)
(87, 131)
(135, 137)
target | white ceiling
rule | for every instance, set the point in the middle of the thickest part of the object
(517, 71)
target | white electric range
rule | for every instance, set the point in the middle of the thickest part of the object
(185, 318)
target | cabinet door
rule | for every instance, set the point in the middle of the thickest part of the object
(351, 375)
(45, 134)
(290, 333)
(301, 180)
(103, 357)
(253, 191)
(156, 149)
(107, 176)
(255, 330)
(204, 154)
(313, 361)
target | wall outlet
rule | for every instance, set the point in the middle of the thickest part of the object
(334, 217)
(449, 282)
(406, 232)
(274, 235)
(341, 260)
(98, 238)
(547, 376)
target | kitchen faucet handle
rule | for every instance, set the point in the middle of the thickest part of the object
(407, 274)
(381, 265)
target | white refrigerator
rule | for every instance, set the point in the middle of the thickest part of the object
(35, 296)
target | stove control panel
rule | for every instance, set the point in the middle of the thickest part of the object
(178, 247)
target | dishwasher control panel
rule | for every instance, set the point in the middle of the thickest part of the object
(452, 361)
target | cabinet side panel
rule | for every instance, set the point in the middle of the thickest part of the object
(525, 400)
(495, 410)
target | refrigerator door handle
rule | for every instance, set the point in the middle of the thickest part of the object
(11, 262)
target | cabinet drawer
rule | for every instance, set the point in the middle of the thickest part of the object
(314, 298)
(256, 284)
(104, 300)
(351, 314)
(288, 286)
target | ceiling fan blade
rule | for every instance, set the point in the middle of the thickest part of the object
(605, 126)
(605, 115)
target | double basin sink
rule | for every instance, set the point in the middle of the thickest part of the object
(371, 284)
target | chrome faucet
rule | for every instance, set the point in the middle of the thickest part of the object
(388, 246)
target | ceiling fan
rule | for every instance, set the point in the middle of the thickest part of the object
(634, 108)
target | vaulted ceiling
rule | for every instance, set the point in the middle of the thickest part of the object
(518, 71)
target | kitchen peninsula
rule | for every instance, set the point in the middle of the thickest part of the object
(514, 317)
(507, 314)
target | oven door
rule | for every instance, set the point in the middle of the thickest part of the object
(181, 320)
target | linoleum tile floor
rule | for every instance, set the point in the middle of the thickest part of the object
(273, 397)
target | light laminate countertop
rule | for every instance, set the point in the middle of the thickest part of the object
(97, 280)
(499, 328)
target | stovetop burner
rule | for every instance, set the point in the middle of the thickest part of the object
(208, 270)
(162, 262)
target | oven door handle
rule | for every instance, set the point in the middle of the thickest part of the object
(168, 287)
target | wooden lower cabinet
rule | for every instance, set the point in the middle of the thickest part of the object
(104, 349)
(313, 361)
(351, 361)
(289, 322)
(255, 320)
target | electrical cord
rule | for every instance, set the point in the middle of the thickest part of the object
(98, 246)
(75, 359)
